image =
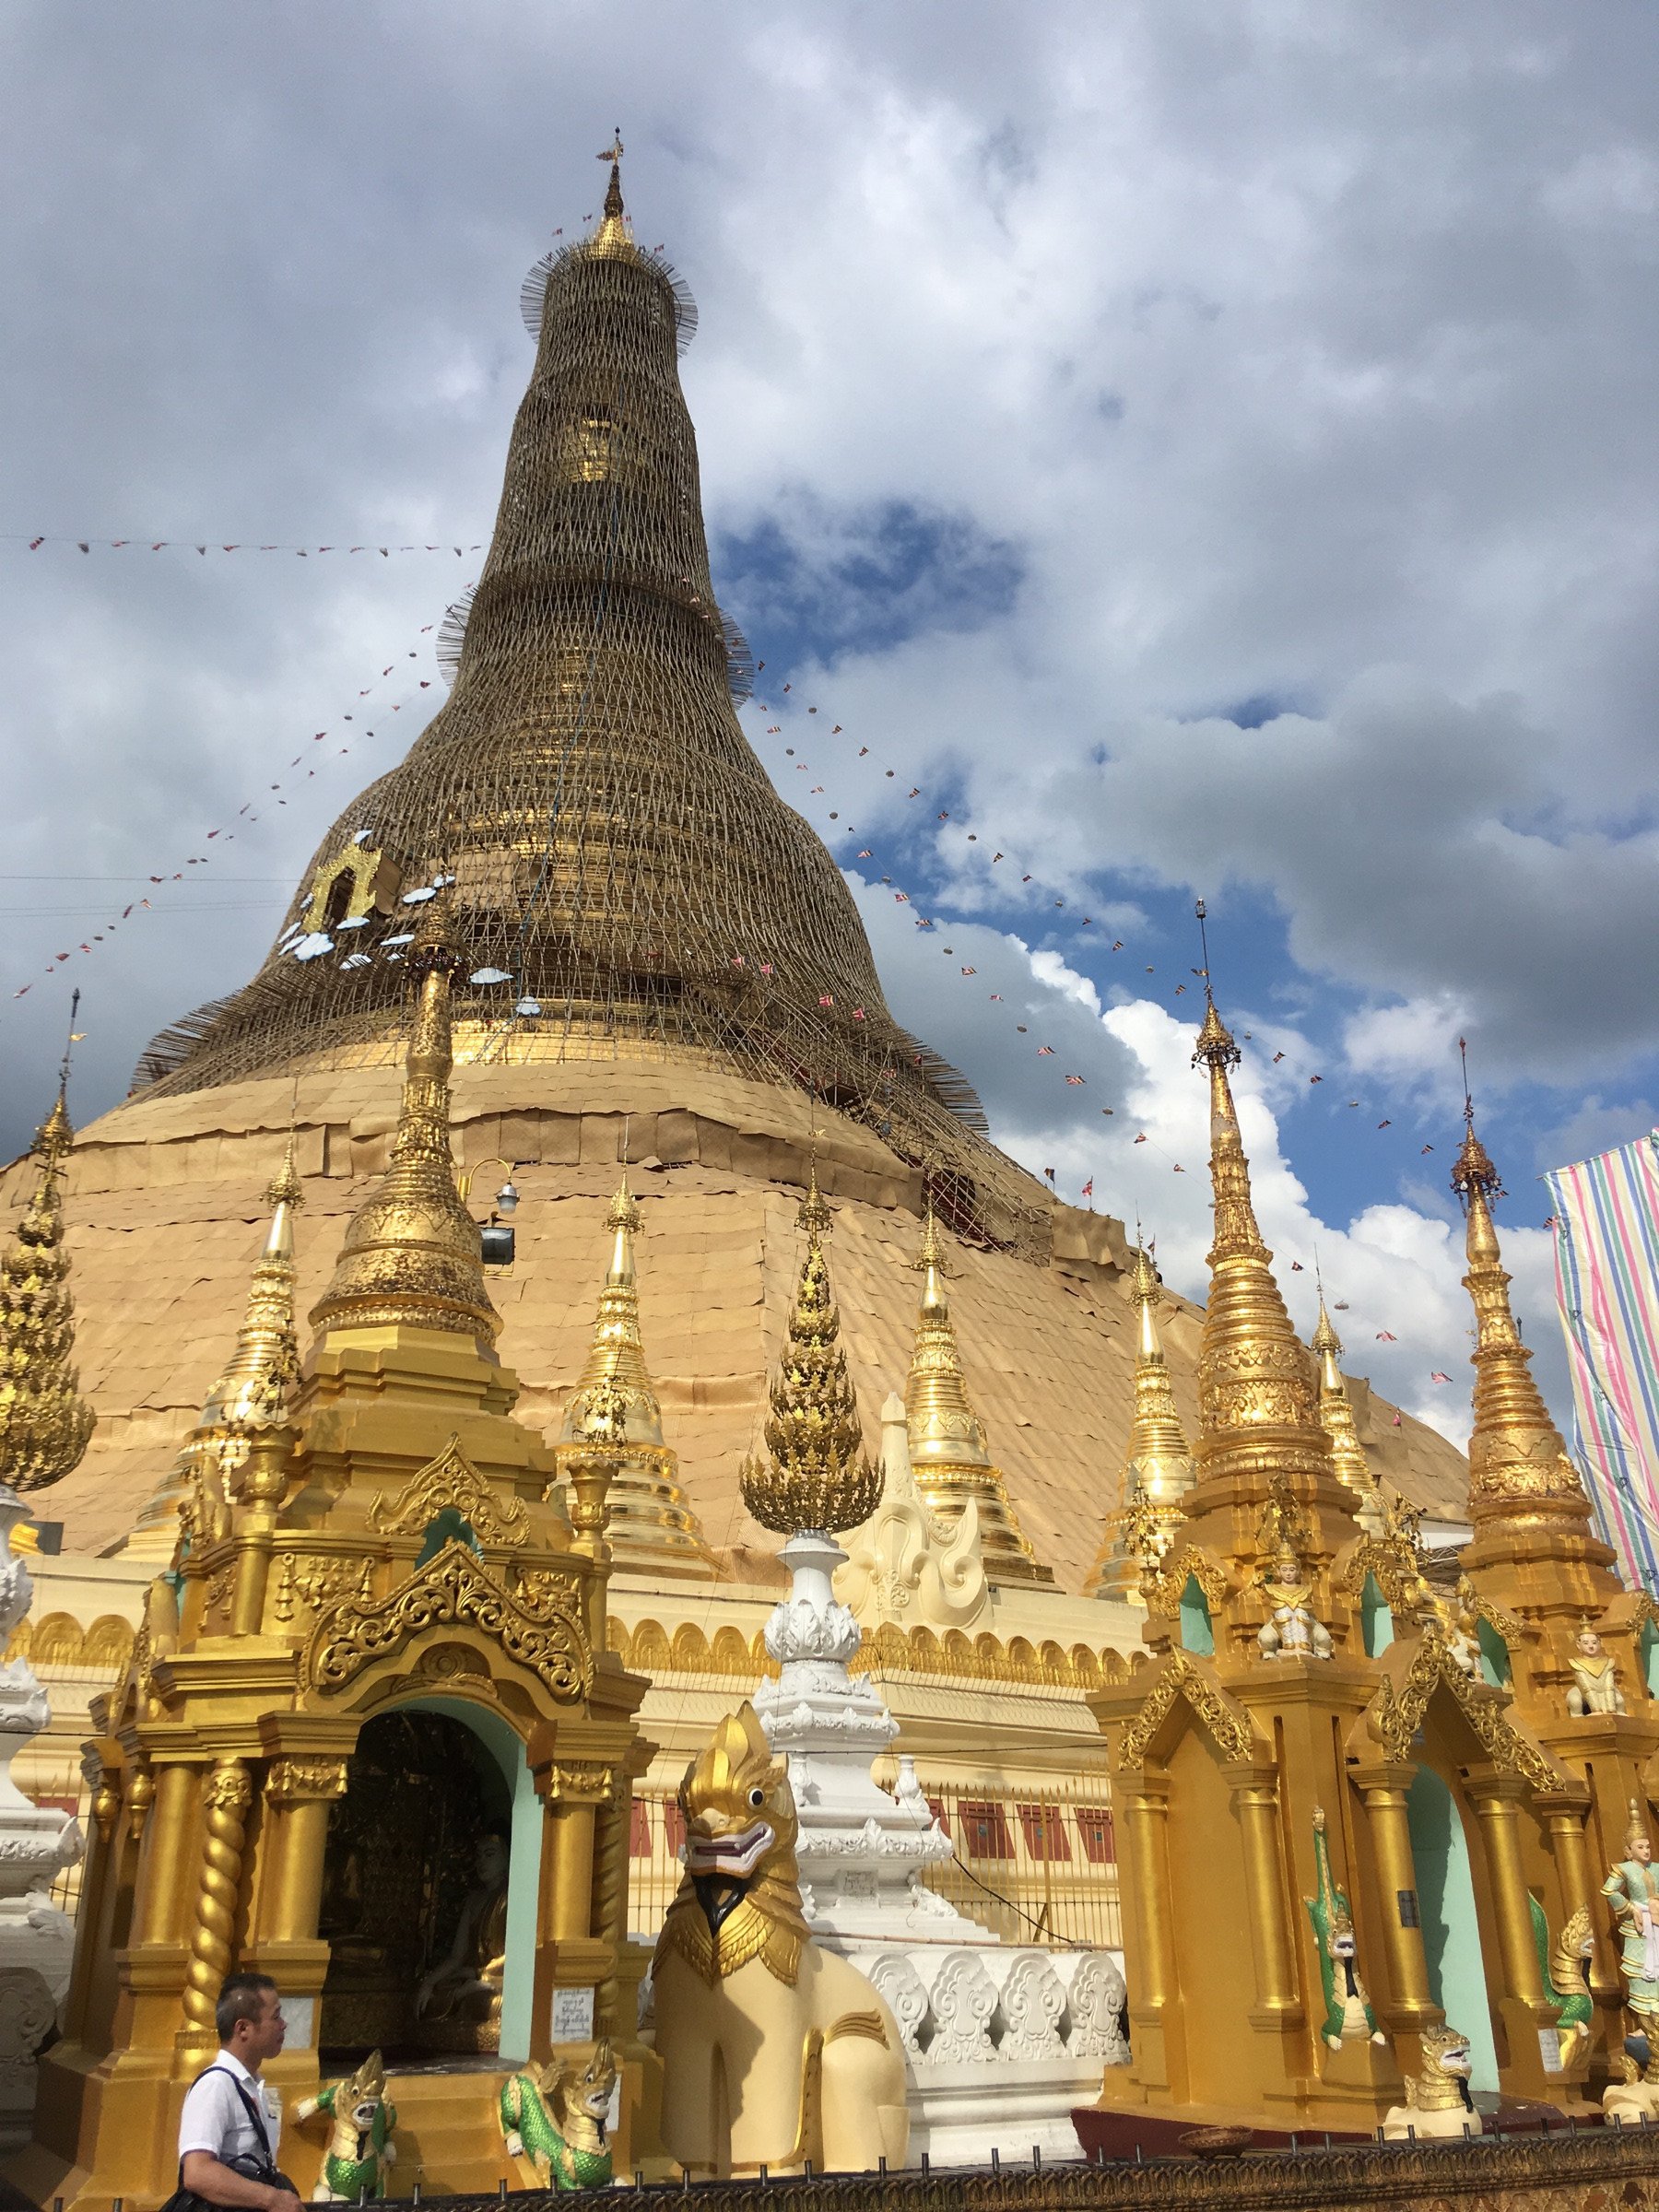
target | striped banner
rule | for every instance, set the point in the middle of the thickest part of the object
(1606, 1224)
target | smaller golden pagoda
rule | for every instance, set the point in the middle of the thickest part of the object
(1158, 1465)
(372, 1740)
(247, 1395)
(814, 1475)
(649, 1526)
(46, 1424)
(948, 1451)
(1336, 1419)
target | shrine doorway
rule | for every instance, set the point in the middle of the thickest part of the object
(429, 1886)
(1457, 1976)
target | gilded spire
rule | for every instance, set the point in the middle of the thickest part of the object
(1253, 1371)
(613, 237)
(1519, 1469)
(617, 1355)
(1158, 1465)
(948, 1445)
(412, 1254)
(815, 1476)
(46, 1424)
(1336, 1419)
(248, 1394)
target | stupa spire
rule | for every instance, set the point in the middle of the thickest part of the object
(1253, 1371)
(1336, 1419)
(629, 884)
(412, 1254)
(248, 1393)
(949, 1454)
(1158, 1463)
(815, 1475)
(1519, 1469)
(649, 1524)
(46, 1424)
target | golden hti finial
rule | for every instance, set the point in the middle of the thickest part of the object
(412, 1254)
(1253, 1372)
(1518, 1464)
(815, 1475)
(948, 1451)
(612, 236)
(250, 1394)
(1158, 1463)
(46, 1424)
(1336, 1415)
(617, 1356)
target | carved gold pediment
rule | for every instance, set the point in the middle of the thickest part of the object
(1183, 1677)
(1395, 1713)
(539, 1628)
(452, 1480)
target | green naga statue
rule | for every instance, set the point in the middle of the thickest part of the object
(1575, 2007)
(557, 2120)
(1348, 2015)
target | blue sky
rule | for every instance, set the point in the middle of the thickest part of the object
(1208, 450)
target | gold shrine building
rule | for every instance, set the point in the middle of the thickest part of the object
(390, 1635)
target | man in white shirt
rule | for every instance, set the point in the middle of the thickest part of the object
(230, 2124)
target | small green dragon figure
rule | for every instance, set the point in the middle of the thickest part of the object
(1575, 2007)
(557, 2120)
(359, 2150)
(1348, 2015)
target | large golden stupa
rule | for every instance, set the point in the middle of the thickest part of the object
(666, 1022)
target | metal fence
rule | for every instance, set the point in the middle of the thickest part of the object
(1034, 1868)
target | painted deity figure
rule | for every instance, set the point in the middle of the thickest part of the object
(1594, 1687)
(1632, 1889)
(1292, 1630)
(465, 1983)
(1348, 2015)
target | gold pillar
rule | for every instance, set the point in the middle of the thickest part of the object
(1564, 1819)
(297, 1794)
(164, 1869)
(1411, 2006)
(1153, 2011)
(568, 1882)
(1496, 1799)
(224, 1803)
(1256, 1802)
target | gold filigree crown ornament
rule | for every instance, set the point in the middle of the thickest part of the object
(46, 1424)
(815, 1475)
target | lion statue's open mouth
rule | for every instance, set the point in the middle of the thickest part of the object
(736, 1857)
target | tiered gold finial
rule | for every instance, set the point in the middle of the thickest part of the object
(815, 1476)
(1158, 1465)
(948, 1451)
(412, 1252)
(46, 1424)
(1519, 1469)
(612, 236)
(1253, 1371)
(648, 1523)
(1336, 1419)
(249, 1393)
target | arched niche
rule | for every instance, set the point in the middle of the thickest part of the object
(1376, 1619)
(1197, 1632)
(1451, 1920)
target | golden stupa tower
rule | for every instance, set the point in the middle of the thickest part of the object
(46, 1424)
(1336, 1419)
(1158, 1465)
(250, 1390)
(947, 1446)
(648, 1523)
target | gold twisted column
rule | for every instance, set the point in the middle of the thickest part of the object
(610, 1894)
(224, 1803)
(1256, 1803)
(1411, 2006)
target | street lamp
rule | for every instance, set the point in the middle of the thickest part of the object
(495, 1235)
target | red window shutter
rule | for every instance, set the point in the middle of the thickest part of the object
(639, 1829)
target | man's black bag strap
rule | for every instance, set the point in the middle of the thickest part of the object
(250, 2105)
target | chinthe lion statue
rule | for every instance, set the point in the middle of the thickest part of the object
(360, 2152)
(1437, 2101)
(775, 2053)
(556, 2118)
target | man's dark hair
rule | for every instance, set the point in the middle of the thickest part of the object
(241, 1997)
